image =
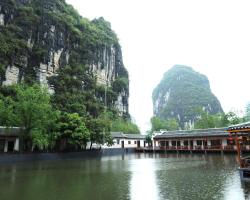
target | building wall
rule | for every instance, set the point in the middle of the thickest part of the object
(128, 143)
(157, 142)
(9, 144)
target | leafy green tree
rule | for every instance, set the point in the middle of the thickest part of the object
(32, 107)
(72, 130)
(172, 124)
(158, 124)
(149, 137)
(40, 139)
(206, 121)
(125, 126)
(218, 120)
(29, 107)
(247, 112)
(44, 136)
(231, 118)
(7, 107)
(75, 91)
(99, 130)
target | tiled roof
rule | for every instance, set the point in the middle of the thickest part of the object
(11, 131)
(193, 133)
(242, 126)
(127, 136)
(118, 135)
(136, 136)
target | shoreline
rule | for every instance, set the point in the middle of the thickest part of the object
(10, 158)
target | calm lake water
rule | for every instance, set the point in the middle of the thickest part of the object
(131, 176)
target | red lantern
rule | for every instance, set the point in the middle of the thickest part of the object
(231, 139)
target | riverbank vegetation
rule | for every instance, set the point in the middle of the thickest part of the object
(205, 120)
(49, 124)
(49, 43)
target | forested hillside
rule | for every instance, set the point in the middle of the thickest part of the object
(183, 94)
(76, 62)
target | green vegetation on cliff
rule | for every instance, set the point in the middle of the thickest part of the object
(46, 42)
(50, 35)
(182, 92)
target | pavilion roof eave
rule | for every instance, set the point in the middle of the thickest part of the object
(243, 127)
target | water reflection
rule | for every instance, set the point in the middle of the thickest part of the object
(124, 177)
(143, 183)
(246, 190)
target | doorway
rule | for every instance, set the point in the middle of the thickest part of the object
(138, 144)
(2, 143)
(10, 146)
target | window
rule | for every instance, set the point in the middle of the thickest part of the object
(135, 142)
(199, 142)
(118, 141)
(215, 142)
(129, 142)
(162, 143)
(231, 142)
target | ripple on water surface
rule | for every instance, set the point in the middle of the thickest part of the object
(133, 176)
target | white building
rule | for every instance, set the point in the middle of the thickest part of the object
(122, 140)
(9, 139)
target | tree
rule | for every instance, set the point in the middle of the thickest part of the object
(247, 113)
(205, 121)
(172, 124)
(8, 117)
(32, 106)
(231, 118)
(72, 130)
(158, 124)
(149, 137)
(99, 130)
(125, 126)
(218, 120)
(29, 108)
(34, 113)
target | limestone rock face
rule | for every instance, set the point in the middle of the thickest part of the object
(50, 42)
(179, 95)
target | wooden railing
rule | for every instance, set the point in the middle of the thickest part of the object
(228, 147)
(197, 147)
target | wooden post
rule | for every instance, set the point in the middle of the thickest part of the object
(238, 151)
(6, 146)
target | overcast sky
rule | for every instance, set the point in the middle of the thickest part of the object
(211, 36)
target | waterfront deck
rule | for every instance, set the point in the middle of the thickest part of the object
(200, 140)
(207, 149)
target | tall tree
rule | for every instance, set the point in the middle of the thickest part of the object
(29, 107)
(247, 112)
(125, 126)
(99, 130)
(72, 130)
(158, 124)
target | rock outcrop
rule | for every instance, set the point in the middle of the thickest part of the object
(39, 37)
(181, 93)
